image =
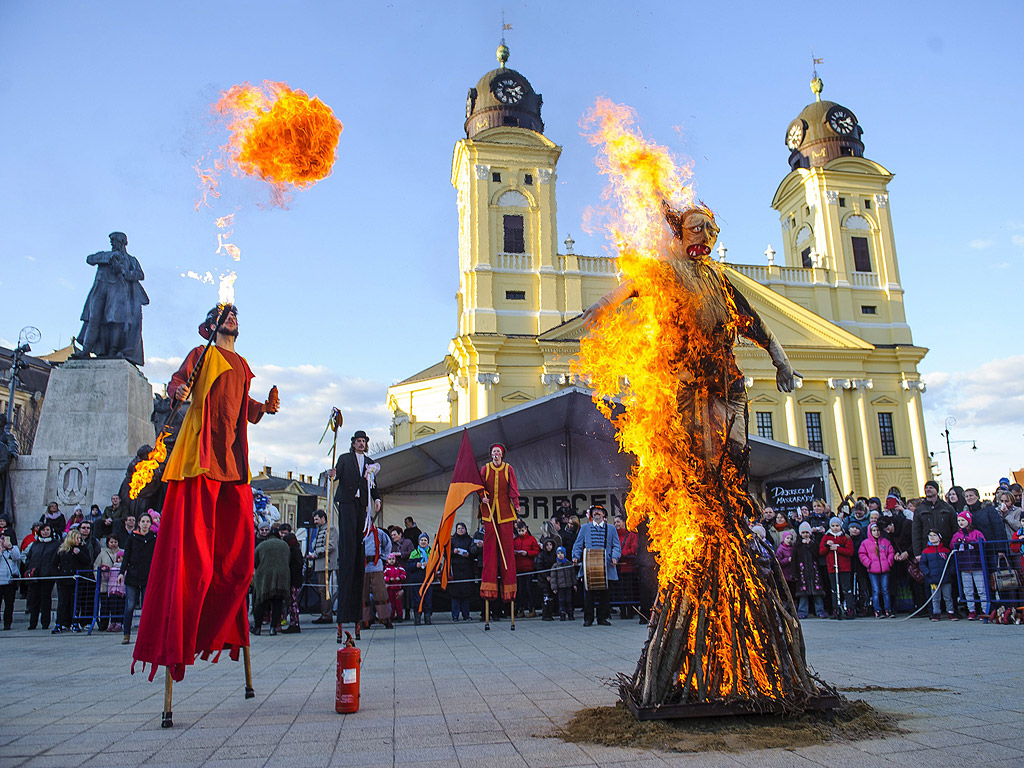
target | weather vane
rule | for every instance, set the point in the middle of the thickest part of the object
(504, 26)
(814, 62)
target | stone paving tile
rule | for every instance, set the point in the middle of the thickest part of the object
(453, 695)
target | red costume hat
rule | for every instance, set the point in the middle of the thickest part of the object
(207, 326)
(497, 445)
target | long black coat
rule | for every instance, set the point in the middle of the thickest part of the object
(138, 557)
(350, 498)
(463, 571)
(927, 516)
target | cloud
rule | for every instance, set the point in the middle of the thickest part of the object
(990, 395)
(288, 440)
(1018, 240)
(981, 244)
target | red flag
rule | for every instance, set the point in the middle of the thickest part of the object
(465, 480)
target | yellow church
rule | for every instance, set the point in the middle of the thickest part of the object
(833, 297)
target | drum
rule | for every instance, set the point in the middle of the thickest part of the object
(594, 576)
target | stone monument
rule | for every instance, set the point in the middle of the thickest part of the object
(97, 409)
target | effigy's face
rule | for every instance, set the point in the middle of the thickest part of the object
(699, 234)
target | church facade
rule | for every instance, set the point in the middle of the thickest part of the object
(833, 297)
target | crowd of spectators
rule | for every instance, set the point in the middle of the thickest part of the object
(959, 555)
(868, 557)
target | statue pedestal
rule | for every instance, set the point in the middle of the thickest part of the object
(95, 416)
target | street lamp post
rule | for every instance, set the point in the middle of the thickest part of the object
(950, 421)
(29, 334)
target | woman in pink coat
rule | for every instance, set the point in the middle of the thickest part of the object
(877, 554)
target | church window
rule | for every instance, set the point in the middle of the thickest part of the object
(805, 258)
(867, 204)
(528, 179)
(846, 151)
(496, 177)
(842, 202)
(764, 425)
(868, 309)
(887, 434)
(857, 222)
(515, 242)
(861, 254)
(814, 439)
(513, 199)
(803, 235)
(515, 295)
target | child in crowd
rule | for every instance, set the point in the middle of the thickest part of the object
(562, 580)
(966, 543)
(394, 576)
(877, 555)
(837, 549)
(933, 562)
(807, 575)
(784, 554)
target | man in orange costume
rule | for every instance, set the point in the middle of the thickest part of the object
(203, 563)
(498, 510)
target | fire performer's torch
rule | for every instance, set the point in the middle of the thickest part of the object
(143, 473)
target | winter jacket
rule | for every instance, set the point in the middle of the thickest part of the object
(928, 516)
(986, 519)
(1015, 547)
(967, 547)
(70, 562)
(933, 560)
(42, 557)
(806, 572)
(877, 555)
(844, 552)
(1011, 520)
(138, 557)
(776, 535)
(784, 554)
(628, 542)
(272, 576)
(562, 576)
(528, 545)
(109, 564)
(9, 564)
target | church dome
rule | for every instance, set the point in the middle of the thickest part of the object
(823, 131)
(503, 97)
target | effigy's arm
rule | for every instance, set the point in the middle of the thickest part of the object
(753, 327)
(593, 314)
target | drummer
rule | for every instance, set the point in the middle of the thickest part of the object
(596, 534)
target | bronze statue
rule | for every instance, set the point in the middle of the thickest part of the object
(112, 316)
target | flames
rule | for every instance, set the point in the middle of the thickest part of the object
(143, 473)
(654, 353)
(277, 134)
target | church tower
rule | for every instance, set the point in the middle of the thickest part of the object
(834, 210)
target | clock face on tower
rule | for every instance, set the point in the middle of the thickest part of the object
(842, 120)
(795, 134)
(507, 89)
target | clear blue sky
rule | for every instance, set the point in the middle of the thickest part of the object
(106, 109)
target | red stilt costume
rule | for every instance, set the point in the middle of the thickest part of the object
(501, 488)
(195, 599)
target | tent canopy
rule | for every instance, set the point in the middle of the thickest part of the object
(559, 441)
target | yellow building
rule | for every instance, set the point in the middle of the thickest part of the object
(834, 299)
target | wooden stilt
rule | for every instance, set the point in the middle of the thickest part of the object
(166, 720)
(250, 693)
(513, 613)
(487, 615)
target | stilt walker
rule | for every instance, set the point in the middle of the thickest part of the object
(203, 562)
(498, 508)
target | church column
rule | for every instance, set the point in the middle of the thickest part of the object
(835, 393)
(867, 458)
(919, 455)
(792, 436)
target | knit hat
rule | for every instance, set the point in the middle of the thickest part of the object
(966, 516)
(835, 521)
(804, 527)
(855, 523)
(560, 551)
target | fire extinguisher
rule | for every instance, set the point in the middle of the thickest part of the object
(347, 696)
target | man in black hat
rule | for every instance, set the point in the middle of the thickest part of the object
(352, 496)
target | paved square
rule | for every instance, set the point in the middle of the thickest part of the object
(453, 695)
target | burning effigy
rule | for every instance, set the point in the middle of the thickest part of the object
(724, 636)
